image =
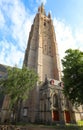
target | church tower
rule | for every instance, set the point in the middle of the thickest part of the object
(42, 56)
(42, 52)
(46, 103)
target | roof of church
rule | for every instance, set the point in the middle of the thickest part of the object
(3, 68)
(3, 71)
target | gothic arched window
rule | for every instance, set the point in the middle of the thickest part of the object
(44, 23)
(55, 100)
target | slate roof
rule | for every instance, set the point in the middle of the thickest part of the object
(3, 68)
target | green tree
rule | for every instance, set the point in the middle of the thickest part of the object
(73, 75)
(18, 84)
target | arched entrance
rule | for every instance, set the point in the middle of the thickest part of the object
(55, 112)
(55, 115)
(67, 116)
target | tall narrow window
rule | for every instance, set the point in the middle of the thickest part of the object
(25, 111)
(44, 23)
(55, 101)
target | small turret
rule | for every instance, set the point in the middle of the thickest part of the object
(49, 15)
(39, 9)
(42, 6)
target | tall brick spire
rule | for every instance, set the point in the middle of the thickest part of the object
(42, 51)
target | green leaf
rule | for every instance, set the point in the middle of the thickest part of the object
(73, 75)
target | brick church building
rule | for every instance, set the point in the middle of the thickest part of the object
(46, 102)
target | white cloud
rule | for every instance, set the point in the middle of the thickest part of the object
(10, 55)
(15, 58)
(79, 38)
(2, 20)
(66, 37)
(20, 21)
(16, 25)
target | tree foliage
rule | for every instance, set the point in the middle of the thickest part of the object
(18, 83)
(73, 75)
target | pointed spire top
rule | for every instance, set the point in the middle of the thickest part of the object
(42, 5)
(41, 9)
(49, 15)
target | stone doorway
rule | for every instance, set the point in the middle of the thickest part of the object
(67, 116)
(55, 115)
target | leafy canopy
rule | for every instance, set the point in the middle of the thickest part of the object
(73, 75)
(18, 83)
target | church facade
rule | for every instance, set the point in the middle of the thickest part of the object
(46, 102)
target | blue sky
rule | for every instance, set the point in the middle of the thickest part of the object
(16, 17)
